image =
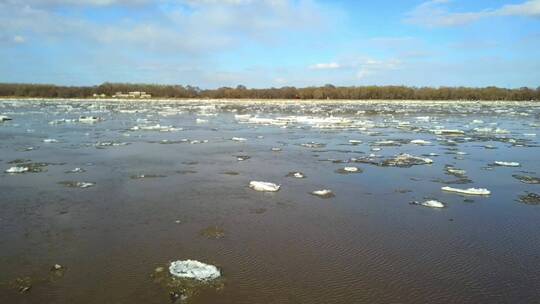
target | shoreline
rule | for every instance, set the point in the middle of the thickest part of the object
(274, 101)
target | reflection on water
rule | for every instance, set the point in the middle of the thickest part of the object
(113, 199)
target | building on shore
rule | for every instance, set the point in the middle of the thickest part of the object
(135, 94)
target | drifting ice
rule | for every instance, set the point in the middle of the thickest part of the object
(191, 269)
(430, 204)
(264, 186)
(17, 170)
(470, 191)
(507, 164)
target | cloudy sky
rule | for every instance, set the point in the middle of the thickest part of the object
(264, 43)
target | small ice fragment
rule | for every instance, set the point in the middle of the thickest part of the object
(447, 132)
(477, 121)
(191, 269)
(355, 141)
(506, 164)
(420, 142)
(350, 169)
(4, 118)
(276, 149)
(430, 204)
(84, 184)
(298, 175)
(17, 170)
(50, 140)
(201, 121)
(89, 119)
(239, 139)
(324, 193)
(76, 170)
(470, 191)
(264, 186)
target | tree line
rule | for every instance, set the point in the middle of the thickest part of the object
(323, 92)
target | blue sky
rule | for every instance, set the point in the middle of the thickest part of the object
(265, 43)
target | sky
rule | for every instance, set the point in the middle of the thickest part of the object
(271, 43)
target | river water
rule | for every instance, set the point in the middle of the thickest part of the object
(150, 182)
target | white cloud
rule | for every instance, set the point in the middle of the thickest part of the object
(435, 13)
(325, 66)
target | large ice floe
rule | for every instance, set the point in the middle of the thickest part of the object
(264, 186)
(469, 191)
(192, 269)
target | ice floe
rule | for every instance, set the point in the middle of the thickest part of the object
(90, 119)
(4, 118)
(74, 184)
(420, 142)
(17, 169)
(296, 175)
(50, 140)
(323, 193)
(239, 139)
(430, 204)
(506, 164)
(469, 191)
(527, 179)
(192, 269)
(264, 186)
(530, 199)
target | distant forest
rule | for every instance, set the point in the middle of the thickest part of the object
(324, 92)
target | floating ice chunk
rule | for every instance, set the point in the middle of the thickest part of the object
(73, 184)
(501, 131)
(191, 269)
(430, 204)
(4, 118)
(529, 134)
(447, 132)
(406, 160)
(201, 121)
(76, 170)
(506, 164)
(276, 149)
(156, 127)
(242, 157)
(477, 121)
(50, 140)
(89, 119)
(84, 184)
(264, 186)
(355, 141)
(376, 149)
(470, 191)
(350, 169)
(420, 142)
(313, 145)
(298, 175)
(527, 179)
(17, 170)
(239, 139)
(324, 193)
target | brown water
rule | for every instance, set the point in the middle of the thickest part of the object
(365, 245)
